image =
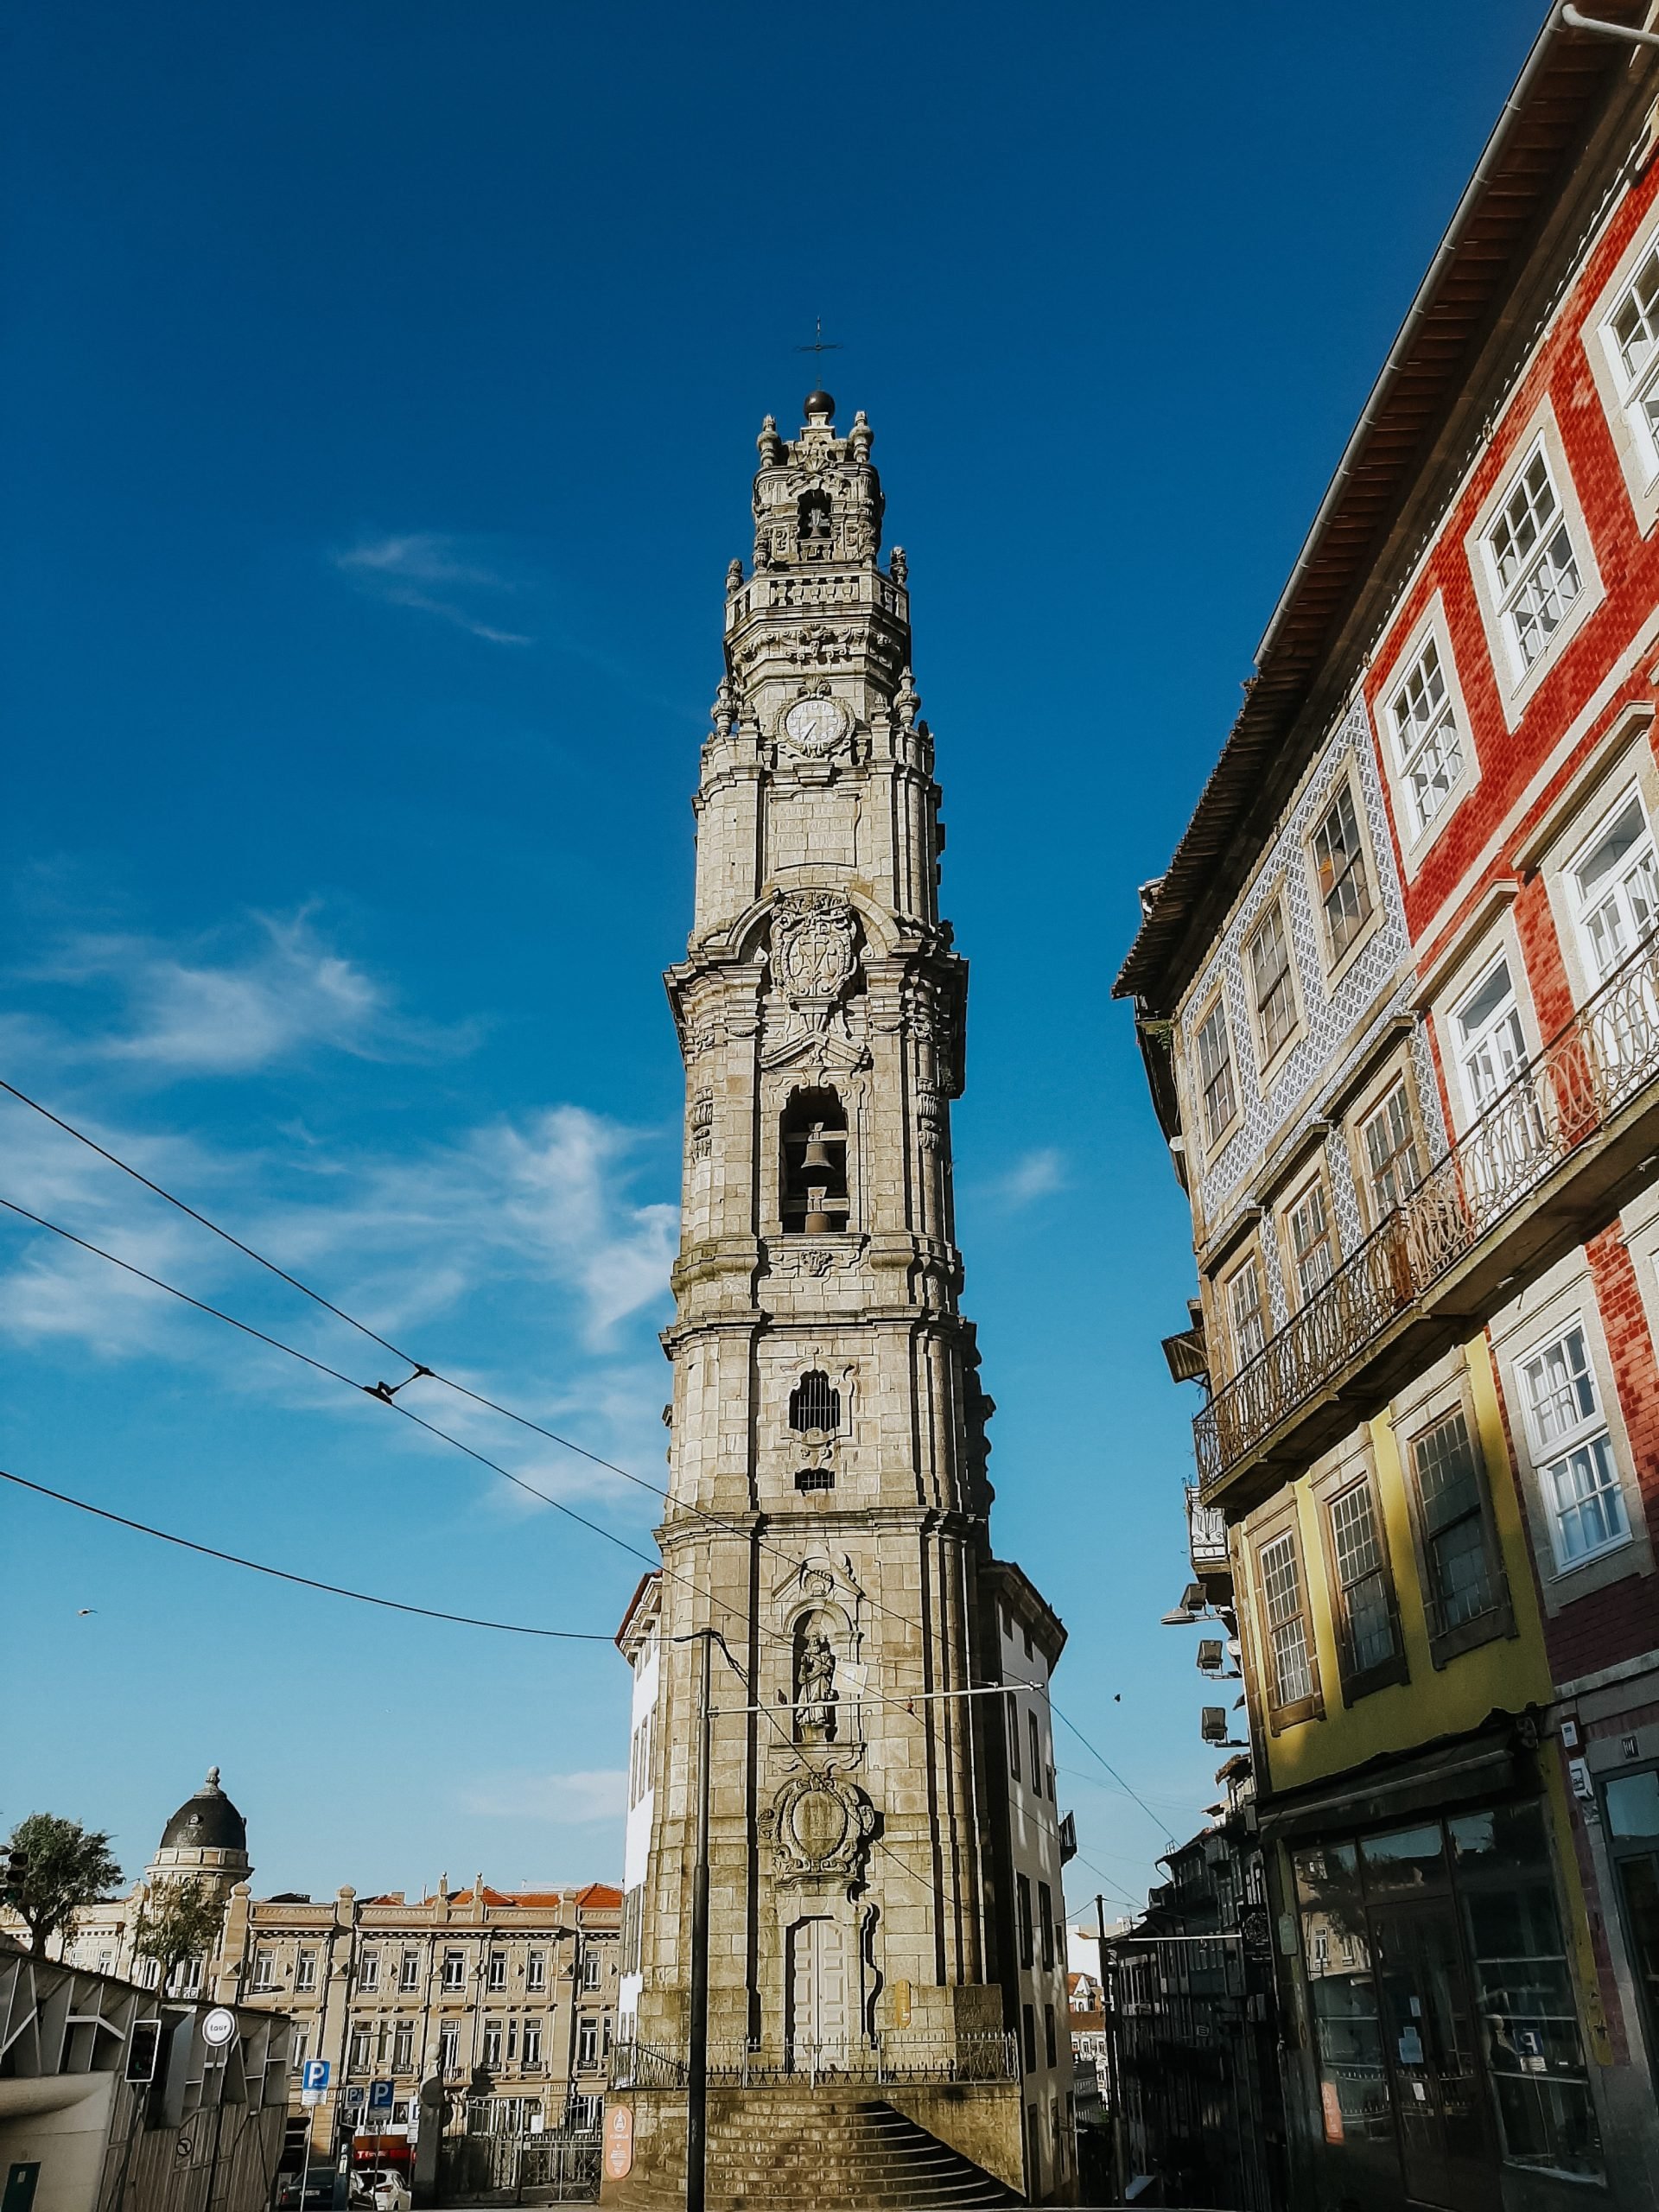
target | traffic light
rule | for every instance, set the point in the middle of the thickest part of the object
(15, 1878)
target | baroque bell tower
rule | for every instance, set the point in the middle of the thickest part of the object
(827, 1508)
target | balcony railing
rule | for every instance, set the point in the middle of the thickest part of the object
(1206, 1532)
(1584, 1077)
(899, 2056)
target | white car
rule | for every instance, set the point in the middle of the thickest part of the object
(383, 2187)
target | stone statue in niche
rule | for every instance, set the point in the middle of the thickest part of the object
(816, 1695)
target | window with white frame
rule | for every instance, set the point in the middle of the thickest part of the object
(305, 1972)
(498, 1977)
(1391, 1161)
(449, 2047)
(592, 1961)
(299, 2049)
(1339, 866)
(1491, 1050)
(1313, 1250)
(1364, 1601)
(402, 2047)
(532, 2046)
(493, 2045)
(1216, 1090)
(409, 1970)
(368, 1970)
(361, 2045)
(1246, 1317)
(1632, 331)
(535, 1970)
(1462, 1585)
(1534, 565)
(1268, 955)
(1429, 745)
(454, 1970)
(587, 2043)
(264, 1970)
(1572, 1450)
(1615, 888)
(1289, 1647)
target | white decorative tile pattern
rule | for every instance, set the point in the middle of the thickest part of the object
(1332, 1033)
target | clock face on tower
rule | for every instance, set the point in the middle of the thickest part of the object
(814, 727)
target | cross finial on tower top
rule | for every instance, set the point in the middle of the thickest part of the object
(819, 404)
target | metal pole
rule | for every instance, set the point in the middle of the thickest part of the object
(696, 2083)
(1113, 2056)
(219, 2129)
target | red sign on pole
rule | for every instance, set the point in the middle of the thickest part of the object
(618, 2141)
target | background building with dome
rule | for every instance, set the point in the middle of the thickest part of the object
(509, 1995)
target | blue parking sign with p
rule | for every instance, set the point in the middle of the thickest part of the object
(380, 2096)
(314, 2075)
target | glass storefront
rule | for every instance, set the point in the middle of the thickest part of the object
(1445, 2031)
(1632, 1829)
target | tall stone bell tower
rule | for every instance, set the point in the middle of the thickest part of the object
(828, 1511)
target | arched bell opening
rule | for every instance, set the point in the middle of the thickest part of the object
(815, 1200)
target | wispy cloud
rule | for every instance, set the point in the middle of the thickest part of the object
(557, 1799)
(1034, 1175)
(434, 574)
(225, 1006)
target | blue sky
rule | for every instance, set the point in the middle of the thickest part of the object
(381, 381)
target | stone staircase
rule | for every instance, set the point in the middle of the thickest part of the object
(811, 2152)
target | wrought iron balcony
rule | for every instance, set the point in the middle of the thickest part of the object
(1206, 1534)
(1545, 1165)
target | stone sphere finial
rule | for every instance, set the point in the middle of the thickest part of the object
(820, 407)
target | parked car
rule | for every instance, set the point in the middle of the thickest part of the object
(380, 2189)
(318, 2188)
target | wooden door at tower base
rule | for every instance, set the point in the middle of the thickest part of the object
(817, 1993)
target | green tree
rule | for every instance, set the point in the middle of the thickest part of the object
(176, 1921)
(66, 1867)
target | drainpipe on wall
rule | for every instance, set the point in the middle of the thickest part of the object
(1575, 21)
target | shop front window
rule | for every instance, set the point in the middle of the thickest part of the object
(1447, 2033)
(1633, 1827)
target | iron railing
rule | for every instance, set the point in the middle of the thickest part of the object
(1585, 1075)
(901, 2056)
(1206, 1533)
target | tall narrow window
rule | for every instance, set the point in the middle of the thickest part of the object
(1462, 1585)
(814, 1406)
(409, 1970)
(360, 2045)
(1617, 883)
(1339, 866)
(1312, 1254)
(1634, 331)
(1391, 1163)
(1289, 1642)
(305, 1973)
(1245, 1315)
(497, 1978)
(1573, 1450)
(814, 1194)
(532, 2046)
(449, 2049)
(1428, 742)
(1532, 557)
(1022, 1914)
(1215, 1088)
(1491, 1050)
(368, 1970)
(454, 1970)
(493, 2045)
(264, 1970)
(1046, 1922)
(1014, 1740)
(1034, 1742)
(1369, 1636)
(1270, 983)
(403, 2048)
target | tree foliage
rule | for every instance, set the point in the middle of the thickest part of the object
(177, 1920)
(67, 1866)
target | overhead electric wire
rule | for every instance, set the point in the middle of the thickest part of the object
(419, 1367)
(306, 1581)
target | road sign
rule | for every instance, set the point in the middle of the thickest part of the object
(314, 2074)
(353, 2097)
(618, 2141)
(217, 2027)
(380, 2096)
